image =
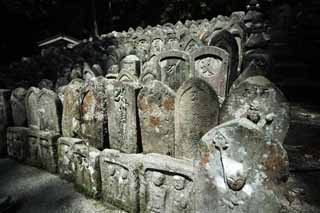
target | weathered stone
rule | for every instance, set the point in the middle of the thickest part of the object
(50, 110)
(18, 107)
(93, 113)
(122, 116)
(85, 164)
(150, 71)
(166, 185)
(131, 65)
(157, 45)
(48, 150)
(120, 179)
(71, 108)
(33, 148)
(174, 68)
(172, 42)
(237, 29)
(156, 116)
(32, 108)
(196, 112)
(238, 170)
(5, 117)
(225, 40)
(65, 169)
(263, 103)
(17, 142)
(42, 149)
(212, 65)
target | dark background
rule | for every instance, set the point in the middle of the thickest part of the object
(26, 22)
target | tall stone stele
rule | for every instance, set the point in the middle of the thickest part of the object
(93, 113)
(122, 116)
(174, 68)
(156, 103)
(32, 108)
(18, 106)
(50, 111)
(71, 108)
(212, 65)
(196, 112)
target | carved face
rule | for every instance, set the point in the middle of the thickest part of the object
(208, 66)
(158, 179)
(179, 182)
(156, 46)
(143, 45)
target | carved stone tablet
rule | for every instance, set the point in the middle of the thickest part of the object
(33, 148)
(212, 65)
(166, 185)
(122, 116)
(65, 145)
(71, 108)
(93, 113)
(238, 170)
(85, 164)
(50, 110)
(120, 179)
(263, 103)
(225, 40)
(32, 108)
(156, 116)
(17, 142)
(196, 112)
(18, 107)
(174, 67)
(48, 150)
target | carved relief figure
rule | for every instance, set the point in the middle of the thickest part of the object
(179, 197)
(157, 193)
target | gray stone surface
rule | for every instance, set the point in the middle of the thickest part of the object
(71, 108)
(238, 170)
(85, 166)
(18, 106)
(156, 103)
(122, 116)
(225, 40)
(212, 65)
(174, 68)
(93, 113)
(130, 68)
(42, 149)
(5, 117)
(196, 112)
(32, 108)
(17, 142)
(120, 179)
(64, 152)
(50, 110)
(262, 102)
(166, 185)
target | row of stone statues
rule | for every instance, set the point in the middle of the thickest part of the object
(182, 130)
